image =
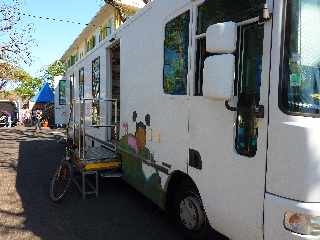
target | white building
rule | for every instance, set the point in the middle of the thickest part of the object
(85, 48)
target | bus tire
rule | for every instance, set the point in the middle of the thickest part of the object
(189, 212)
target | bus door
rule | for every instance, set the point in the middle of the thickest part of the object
(228, 142)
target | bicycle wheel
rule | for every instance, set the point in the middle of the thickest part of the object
(61, 181)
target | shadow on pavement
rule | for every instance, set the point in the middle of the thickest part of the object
(119, 213)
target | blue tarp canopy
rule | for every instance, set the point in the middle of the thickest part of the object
(45, 95)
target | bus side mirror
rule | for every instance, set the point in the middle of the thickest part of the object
(218, 77)
(219, 69)
(221, 38)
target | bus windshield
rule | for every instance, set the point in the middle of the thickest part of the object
(301, 55)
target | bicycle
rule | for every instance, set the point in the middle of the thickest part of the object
(62, 177)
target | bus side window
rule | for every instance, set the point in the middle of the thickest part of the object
(176, 55)
(248, 82)
(218, 11)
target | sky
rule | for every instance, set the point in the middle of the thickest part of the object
(53, 38)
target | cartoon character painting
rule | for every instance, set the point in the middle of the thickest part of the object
(138, 162)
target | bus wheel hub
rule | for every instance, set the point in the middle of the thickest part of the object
(191, 214)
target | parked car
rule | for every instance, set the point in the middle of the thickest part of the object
(3, 119)
(8, 109)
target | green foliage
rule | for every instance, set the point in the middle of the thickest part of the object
(28, 85)
(10, 75)
(55, 69)
(21, 75)
(27, 88)
(8, 95)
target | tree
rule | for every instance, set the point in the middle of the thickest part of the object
(26, 84)
(16, 40)
(11, 74)
(57, 68)
(8, 95)
(6, 74)
(121, 9)
(27, 88)
(15, 45)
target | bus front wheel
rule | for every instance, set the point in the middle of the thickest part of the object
(189, 212)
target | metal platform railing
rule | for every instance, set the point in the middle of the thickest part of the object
(100, 159)
(109, 121)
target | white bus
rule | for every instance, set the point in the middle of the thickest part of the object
(219, 113)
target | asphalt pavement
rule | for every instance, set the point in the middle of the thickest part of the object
(27, 162)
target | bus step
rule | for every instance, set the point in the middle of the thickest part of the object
(111, 174)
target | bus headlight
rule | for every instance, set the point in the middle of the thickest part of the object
(302, 224)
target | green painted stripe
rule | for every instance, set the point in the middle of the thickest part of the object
(148, 162)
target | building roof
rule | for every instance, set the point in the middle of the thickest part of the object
(128, 4)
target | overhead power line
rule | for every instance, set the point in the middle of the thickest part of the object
(59, 20)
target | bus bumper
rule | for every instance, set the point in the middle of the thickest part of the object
(274, 216)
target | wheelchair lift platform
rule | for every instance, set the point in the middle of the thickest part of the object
(93, 162)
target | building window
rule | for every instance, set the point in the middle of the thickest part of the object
(62, 92)
(96, 91)
(176, 54)
(110, 26)
(91, 43)
(72, 60)
(106, 31)
(81, 55)
(81, 83)
(102, 34)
